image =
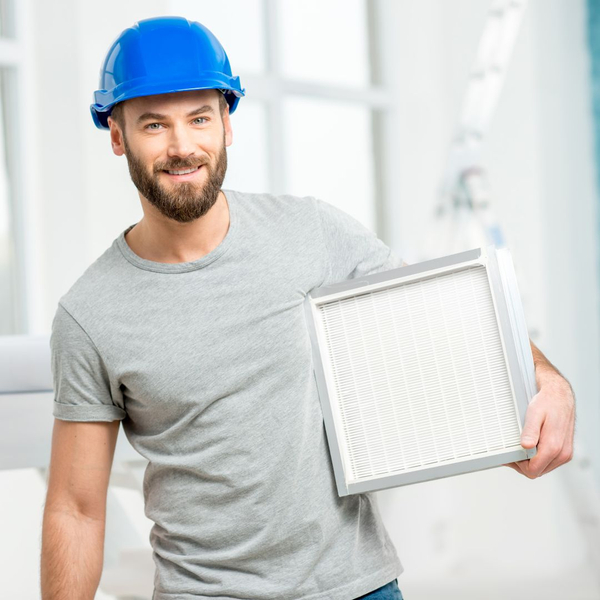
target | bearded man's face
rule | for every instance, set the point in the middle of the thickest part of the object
(175, 145)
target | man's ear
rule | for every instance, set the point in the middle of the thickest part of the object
(116, 137)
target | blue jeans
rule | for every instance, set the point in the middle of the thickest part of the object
(390, 591)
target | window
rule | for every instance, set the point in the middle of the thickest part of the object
(308, 119)
(10, 64)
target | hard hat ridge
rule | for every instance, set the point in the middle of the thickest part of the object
(162, 55)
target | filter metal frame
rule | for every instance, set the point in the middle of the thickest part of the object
(513, 334)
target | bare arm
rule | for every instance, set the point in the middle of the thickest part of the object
(75, 510)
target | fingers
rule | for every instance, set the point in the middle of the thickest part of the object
(514, 466)
(518, 466)
(534, 418)
(564, 456)
(550, 427)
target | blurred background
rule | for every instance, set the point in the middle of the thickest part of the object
(439, 124)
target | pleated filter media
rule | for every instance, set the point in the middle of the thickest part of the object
(423, 371)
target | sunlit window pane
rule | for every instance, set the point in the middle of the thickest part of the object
(247, 156)
(329, 154)
(237, 24)
(6, 18)
(324, 42)
(6, 255)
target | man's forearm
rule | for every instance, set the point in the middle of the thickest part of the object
(72, 555)
(543, 367)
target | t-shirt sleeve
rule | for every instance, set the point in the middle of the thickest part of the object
(82, 388)
(351, 249)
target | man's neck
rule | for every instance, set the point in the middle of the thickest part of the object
(160, 239)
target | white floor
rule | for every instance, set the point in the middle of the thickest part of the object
(575, 585)
(483, 536)
(496, 534)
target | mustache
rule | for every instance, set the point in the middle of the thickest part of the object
(185, 163)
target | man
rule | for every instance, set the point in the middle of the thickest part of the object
(190, 329)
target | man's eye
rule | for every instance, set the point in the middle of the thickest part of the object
(199, 119)
(152, 126)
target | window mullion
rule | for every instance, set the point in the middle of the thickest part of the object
(379, 124)
(274, 101)
(262, 85)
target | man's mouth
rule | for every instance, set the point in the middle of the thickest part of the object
(182, 174)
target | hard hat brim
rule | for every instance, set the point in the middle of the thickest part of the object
(106, 100)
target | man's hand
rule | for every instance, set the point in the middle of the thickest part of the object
(550, 420)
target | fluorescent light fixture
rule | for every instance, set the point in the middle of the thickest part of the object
(423, 371)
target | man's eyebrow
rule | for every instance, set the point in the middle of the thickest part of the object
(158, 117)
(203, 109)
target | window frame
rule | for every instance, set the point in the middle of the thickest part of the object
(272, 87)
(16, 79)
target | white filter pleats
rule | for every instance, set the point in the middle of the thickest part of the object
(419, 375)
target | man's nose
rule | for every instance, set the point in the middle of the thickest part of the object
(180, 141)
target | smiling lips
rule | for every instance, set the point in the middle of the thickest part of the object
(183, 173)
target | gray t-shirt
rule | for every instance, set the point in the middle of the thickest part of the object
(209, 365)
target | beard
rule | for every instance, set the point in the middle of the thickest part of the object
(185, 201)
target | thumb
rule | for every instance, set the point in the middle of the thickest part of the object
(533, 424)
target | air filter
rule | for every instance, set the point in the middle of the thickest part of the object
(424, 371)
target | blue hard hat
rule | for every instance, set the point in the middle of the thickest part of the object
(162, 55)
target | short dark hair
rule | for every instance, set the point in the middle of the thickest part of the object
(117, 111)
(117, 114)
